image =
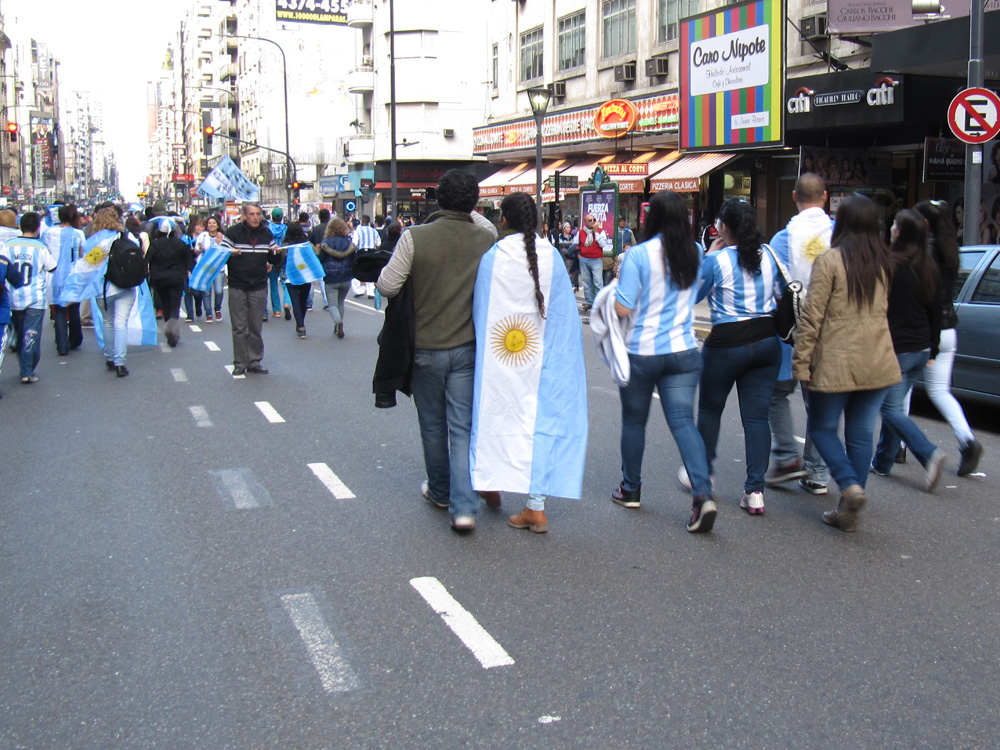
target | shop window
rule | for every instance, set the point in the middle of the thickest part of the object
(670, 13)
(572, 41)
(531, 54)
(618, 27)
(736, 185)
(496, 66)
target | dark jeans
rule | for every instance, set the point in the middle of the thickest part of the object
(753, 368)
(170, 297)
(195, 297)
(675, 377)
(69, 332)
(848, 461)
(300, 294)
(28, 333)
(895, 422)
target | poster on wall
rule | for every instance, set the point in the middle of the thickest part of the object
(599, 198)
(873, 16)
(989, 212)
(732, 77)
(847, 167)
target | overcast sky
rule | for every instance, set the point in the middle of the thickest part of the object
(110, 48)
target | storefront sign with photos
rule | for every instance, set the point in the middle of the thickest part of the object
(599, 198)
(847, 167)
(873, 16)
(732, 73)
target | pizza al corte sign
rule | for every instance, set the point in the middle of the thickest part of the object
(615, 118)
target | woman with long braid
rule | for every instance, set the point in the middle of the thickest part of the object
(529, 418)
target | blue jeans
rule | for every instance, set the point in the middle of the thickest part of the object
(216, 290)
(337, 307)
(442, 392)
(116, 310)
(278, 291)
(592, 277)
(848, 461)
(784, 447)
(675, 377)
(896, 424)
(28, 332)
(69, 331)
(753, 368)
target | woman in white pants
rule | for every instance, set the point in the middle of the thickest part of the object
(937, 377)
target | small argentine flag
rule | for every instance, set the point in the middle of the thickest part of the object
(86, 276)
(301, 265)
(529, 408)
(210, 264)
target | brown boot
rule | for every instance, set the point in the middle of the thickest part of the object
(845, 518)
(492, 498)
(532, 520)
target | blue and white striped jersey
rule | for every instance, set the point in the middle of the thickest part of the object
(366, 237)
(32, 258)
(733, 294)
(664, 313)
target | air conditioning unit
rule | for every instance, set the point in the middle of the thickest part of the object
(657, 66)
(558, 89)
(448, 132)
(814, 27)
(625, 73)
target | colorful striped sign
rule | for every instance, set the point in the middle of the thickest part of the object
(732, 76)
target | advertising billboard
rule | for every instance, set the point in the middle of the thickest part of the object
(732, 74)
(312, 11)
(873, 16)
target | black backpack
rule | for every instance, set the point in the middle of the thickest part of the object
(126, 263)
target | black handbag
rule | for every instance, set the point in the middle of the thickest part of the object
(789, 310)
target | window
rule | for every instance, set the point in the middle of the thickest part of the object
(531, 54)
(988, 290)
(619, 27)
(670, 14)
(496, 65)
(572, 41)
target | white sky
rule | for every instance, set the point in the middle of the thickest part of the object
(110, 48)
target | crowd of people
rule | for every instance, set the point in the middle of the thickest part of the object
(484, 331)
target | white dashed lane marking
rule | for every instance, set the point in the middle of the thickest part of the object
(462, 623)
(335, 674)
(240, 490)
(269, 412)
(179, 376)
(212, 346)
(332, 482)
(166, 348)
(230, 368)
(200, 414)
(195, 329)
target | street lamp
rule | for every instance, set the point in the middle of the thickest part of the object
(284, 77)
(539, 98)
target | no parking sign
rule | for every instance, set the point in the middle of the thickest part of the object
(974, 115)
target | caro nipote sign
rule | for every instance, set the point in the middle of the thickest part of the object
(614, 119)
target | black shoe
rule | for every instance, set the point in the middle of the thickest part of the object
(901, 455)
(288, 313)
(109, 364)
(703, 513)
(239, 371)
(121, 371)
(970, 455)
(257, 370)
(626, 498)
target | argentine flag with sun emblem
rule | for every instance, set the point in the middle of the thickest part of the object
(86, 276)
(529, 409)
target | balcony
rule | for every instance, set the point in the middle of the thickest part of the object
(361, 80)
(361, 148)
(227, 72)
(360, 14)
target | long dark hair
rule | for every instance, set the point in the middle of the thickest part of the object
(866, 257)
(668, 219)
(942, 232)
(910, 249)
(741, 220)
(522, 216)
(295, 234)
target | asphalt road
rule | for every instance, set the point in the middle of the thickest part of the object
(174, 574)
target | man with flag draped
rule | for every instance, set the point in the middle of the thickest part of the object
(65, 241)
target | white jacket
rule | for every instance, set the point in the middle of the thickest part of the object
(610, 334)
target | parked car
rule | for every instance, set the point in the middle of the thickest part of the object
(976, 376)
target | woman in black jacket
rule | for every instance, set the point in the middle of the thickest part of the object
(169, 261)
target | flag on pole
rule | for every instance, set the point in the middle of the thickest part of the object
(302, 266)
(86, 277)
(210, 264)
(228, 181)
(529, 408)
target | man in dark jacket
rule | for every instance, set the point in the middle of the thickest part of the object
(252, 246)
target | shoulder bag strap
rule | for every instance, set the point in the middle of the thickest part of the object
(781, 266)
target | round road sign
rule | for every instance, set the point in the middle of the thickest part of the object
(6, 189)
(974, 115)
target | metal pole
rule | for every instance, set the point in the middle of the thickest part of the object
(392, 110)
(538, 165)
(974, 152)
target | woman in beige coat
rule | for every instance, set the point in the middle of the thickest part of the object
(843, 351)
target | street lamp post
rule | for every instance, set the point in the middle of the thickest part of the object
(288, 151)
(393, 165)
(539, 98)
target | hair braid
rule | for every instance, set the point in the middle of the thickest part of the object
(520, 212)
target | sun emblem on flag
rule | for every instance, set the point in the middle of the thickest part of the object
(514, 340)
(814, 247)
(96, 256)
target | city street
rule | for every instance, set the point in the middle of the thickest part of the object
(192, 560)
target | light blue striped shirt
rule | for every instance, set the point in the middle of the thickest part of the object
(664, 313)
(33, 259)
(733, 294)
(366, 237)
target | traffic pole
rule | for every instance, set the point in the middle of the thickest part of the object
(974, 151)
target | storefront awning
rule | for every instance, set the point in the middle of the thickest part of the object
(633, 171)
(493, 185)
(525, 182)
(684, 175)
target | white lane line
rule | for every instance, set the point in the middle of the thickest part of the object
(337, 488)
(212, 346)
(194, 328)
(166, 348)
(200, 414)
(179, 376)
(230, 368)
(464, 625)
(335, 674)
(269, 411)
(366, 308)
(240, 490)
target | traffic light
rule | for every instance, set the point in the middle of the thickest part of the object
(207, 130)
(296, 186)
(12, 131)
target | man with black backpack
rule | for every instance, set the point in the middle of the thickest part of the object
(253, 249)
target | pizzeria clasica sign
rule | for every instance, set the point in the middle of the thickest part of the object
(615, 118)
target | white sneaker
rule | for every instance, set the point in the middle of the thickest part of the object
(685, 480)
(753, 503)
